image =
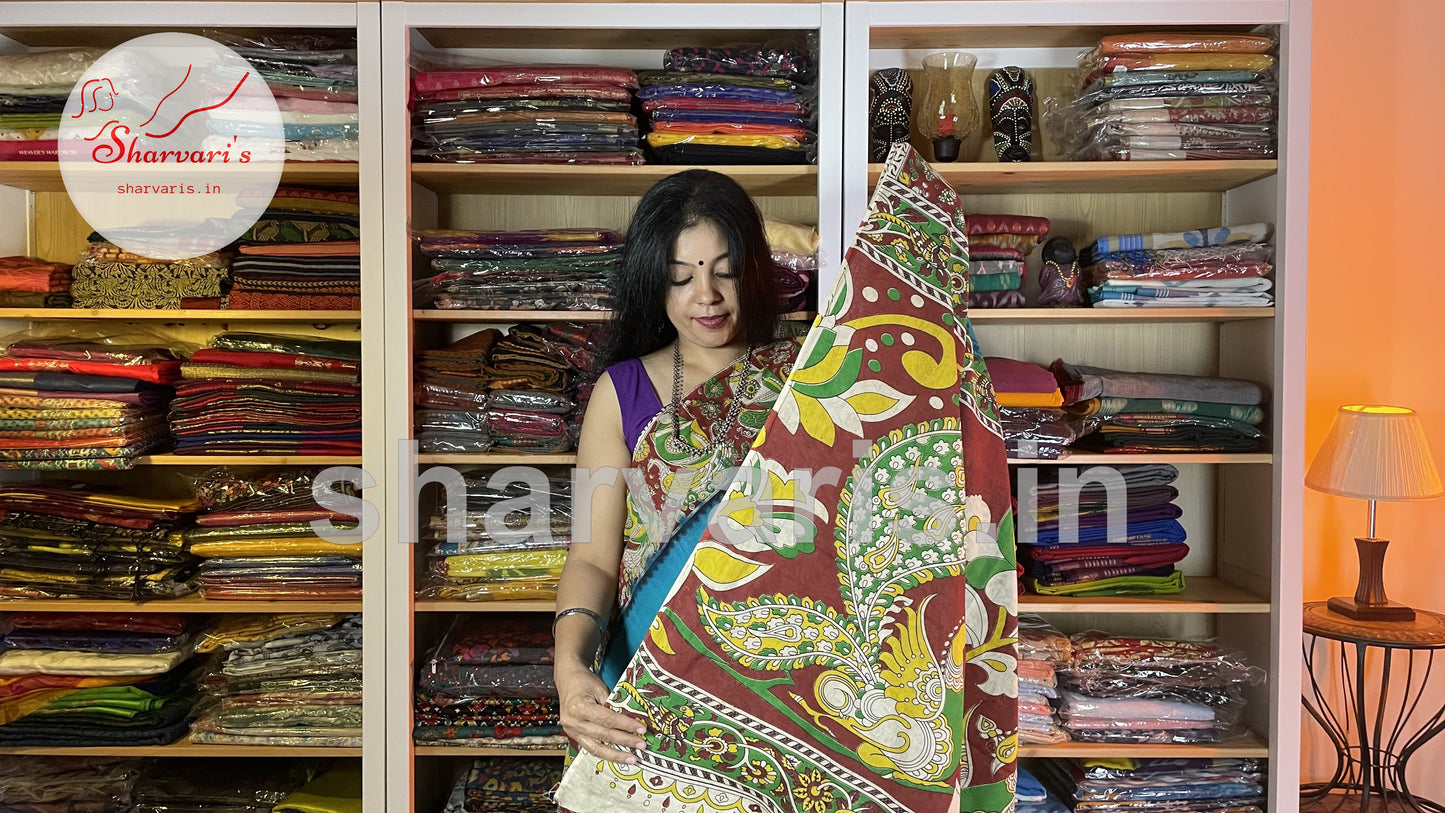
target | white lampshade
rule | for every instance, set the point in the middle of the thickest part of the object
(1376, 453)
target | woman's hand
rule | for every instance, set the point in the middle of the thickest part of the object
(588, 719)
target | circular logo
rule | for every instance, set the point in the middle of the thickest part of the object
(171, 146)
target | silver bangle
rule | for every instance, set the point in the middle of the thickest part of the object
(596, 619)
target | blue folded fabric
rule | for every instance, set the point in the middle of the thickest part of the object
(1162, 531)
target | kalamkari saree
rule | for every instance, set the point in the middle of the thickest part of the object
(847, 646)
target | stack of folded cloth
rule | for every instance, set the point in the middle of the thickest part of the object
(1175, 96)
(1035, 427)
(517, 392)
(544, 270)
(258, 542)
(1157, 785)
(219, 785)
(1141, 562)
(739, 105)
(997, 246)
(85, 543)
(506, 785)
(109, 276)
(1041, 651)
(33, 91)
(313, 80)
(1031, 795)
(1226, 267)
(292, 680)
(489, 684)
(1143, 690)
(795, 263)
(30, 784)
(255, 393)
(1155, 412)
(501, 553)
(29, 282)
(77, 404)
(95, 679)
(302, 254)
(570, 114)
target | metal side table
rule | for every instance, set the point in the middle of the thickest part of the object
(1374, 738)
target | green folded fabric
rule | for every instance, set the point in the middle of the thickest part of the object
(1133, 406)
(994, 282)
(337, 791)
(1116, 586)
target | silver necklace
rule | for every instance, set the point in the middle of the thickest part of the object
(675, 443)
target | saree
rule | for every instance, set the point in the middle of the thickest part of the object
(816, 659)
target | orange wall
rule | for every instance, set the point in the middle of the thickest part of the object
(1377, 289)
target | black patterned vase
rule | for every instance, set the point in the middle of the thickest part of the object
(890, 103)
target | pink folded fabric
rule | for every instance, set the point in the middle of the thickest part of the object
(429, 81)
(1010, 375)
(1005, 224)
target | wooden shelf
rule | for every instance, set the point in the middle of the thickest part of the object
(1200, 595)
(1112, 177)
(1112, 316)
(485, 459)
(248, 460)
(185, 748)
(474, 751)
(431, 606)
(185, 604)
(1177, 458)
(122, 314)
(1249, 745)
(44, 176)
(551, 316)
(562, 179)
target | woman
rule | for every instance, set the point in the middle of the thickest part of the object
(695, 322)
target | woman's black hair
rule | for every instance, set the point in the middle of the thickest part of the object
(639, 322)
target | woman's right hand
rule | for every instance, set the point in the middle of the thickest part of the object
(590, 722)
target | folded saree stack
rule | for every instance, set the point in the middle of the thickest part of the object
(259, 543)
(544, 270)
(1042, 650)
(488, 684)
(1059, 561)
(1141, 690)
(1175, 96)
(33, 90)
(506, 785)
(109, 276)
(1032, 796)
(502, 548)
(58, 542)
(1157, 785)
(313, 80)
(276, 394)
(566, 114)
(997, 247)
(292, 680)
(30, 282)
(304, 253)
(1154, 412)
(207, 785)
(795, 263)
(94, 679)
(740, 105)
(518, 392)
(1228, 266)
(70, 403)
(30, 784)
(1035, 427)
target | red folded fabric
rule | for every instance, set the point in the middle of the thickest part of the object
(601, 93)
(228, 519)
(1010, 375)
(159, 372)
(31, 275)
(30, 150)
(331, 248)
(155, 623)
(1005, 224)
(429, 81)
(274, 361)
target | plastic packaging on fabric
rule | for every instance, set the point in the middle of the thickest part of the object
(1155, 42)
(152, 623)
(491, 655)
(241, 341)
(789, 63)
(439, 396)
(67, 783)
(93, 343)
(219, 784)
(226, 489)
(531, 401)
(435, 442)
(510, 590)
(235, 632)
(439, 420)
(1211, 262)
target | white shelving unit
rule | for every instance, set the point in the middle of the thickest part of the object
(1244, 521)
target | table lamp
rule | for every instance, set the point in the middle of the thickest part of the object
(1374, 453)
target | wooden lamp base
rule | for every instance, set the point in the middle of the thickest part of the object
(1370, 602)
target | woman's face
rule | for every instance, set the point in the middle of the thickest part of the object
(702, 291)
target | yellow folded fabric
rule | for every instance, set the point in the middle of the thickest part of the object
(658, 139)
(337, 791)
(254, 629)
(487, 564)
(793, 238)
(1193, 62)
(1046, 400)
(294, 546)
